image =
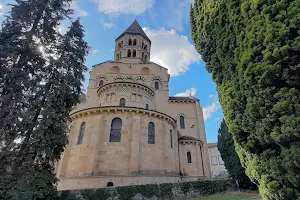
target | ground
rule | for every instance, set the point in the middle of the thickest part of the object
(230, 196)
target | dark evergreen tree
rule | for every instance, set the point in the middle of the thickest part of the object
(252, 49)
(40, 80)
(231, 159)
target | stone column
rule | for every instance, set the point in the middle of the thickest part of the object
(135, 144)
(99, 142)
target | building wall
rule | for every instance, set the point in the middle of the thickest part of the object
(215, 160)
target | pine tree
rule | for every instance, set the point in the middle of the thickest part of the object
(40, 81)
(252, 50)
(231, 159)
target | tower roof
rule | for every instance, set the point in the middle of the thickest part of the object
(135, 28)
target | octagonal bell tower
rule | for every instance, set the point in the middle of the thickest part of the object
(133, 45)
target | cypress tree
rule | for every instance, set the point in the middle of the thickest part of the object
(40, 82)
(252, 50)
(232, 162)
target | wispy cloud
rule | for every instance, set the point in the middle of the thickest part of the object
(175, 13)
(187, 93)
(77, 10)
(209, 110)
(106, 25)
(94, 51)
(123, 6)
(171, 50)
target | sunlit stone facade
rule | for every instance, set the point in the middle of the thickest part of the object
(128, 130)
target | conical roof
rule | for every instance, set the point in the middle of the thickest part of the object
(135, 28)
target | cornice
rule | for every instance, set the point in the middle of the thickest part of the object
(115, 109)
(131, 84)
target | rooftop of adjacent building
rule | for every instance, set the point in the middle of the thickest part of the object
(213, 144)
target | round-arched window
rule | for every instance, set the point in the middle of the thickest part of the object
(101, 83)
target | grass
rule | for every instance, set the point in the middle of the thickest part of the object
(229, 196)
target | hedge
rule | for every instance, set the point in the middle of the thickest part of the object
(160, 191)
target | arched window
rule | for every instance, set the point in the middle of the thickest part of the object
(156, 85)
(128, 53)
(134, 42)
(115, 130)
(171, 138)
(122, 102)
(101, 83)
(129, 42)
(182, 125)
(110, 184)
(189, 157)
(147, 106)
(151, 133)
(134, 53)
(145, 58)
(81, 133)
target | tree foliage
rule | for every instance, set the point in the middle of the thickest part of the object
(40, 81)
(252, 49)
(232, 162)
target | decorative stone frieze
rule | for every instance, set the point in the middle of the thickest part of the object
(126, 87)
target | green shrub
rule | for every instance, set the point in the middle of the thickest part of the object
(161, 191)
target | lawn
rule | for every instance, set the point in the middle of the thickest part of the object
(229, 196)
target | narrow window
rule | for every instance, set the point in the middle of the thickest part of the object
(142, 55)
(134, 53)
(142, 44)
(101, 83)
(147, 106)
(189, 157)
(122, 102)
(145, 47)
(115, 130)
(129, 42)
(171, 139)
(118, 57)
(145, 58)
(128, 53)
(156, 85)
(182, 125)
(214, 160)
(119, 46)
(134, 42)
(81, 133)
(122, 44)
(151, 133)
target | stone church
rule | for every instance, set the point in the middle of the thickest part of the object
(128, 130)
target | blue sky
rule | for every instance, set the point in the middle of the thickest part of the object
(166, 22)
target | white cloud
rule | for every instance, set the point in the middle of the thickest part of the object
(105, 24)
(187, 93)
(1, 9)
(171, 50)
(209, 110)
(62, 28)
(77, 10)
(123, 6)
(94, 51)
